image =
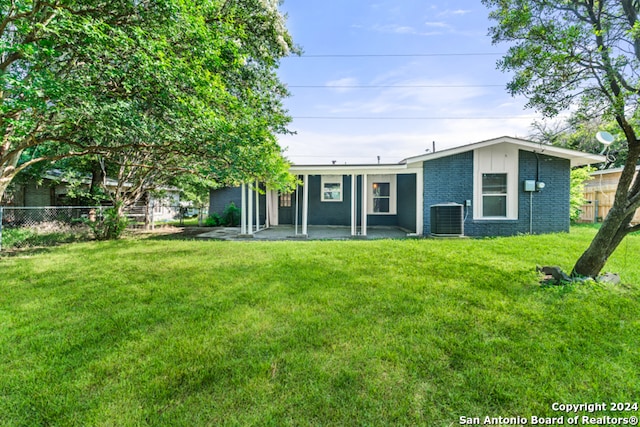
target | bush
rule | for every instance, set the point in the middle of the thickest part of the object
(110, 226)
(213, 220)
(231, 215)
(578, 178)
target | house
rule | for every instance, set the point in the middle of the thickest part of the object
(499, 187)
(599, 191)
(53, 190)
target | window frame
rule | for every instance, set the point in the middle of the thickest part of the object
(496, 159)
(331, 179)
(375, 197)
(390, 179)
(285, 200)
(502, 195)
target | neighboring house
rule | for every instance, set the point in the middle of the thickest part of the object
(499, 187)
(52, 191)
(599, 191)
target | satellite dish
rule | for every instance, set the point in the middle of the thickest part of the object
(605, 137)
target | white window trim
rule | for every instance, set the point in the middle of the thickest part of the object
(393, 193)
(505, 195)
(483, 162)
(331, 179)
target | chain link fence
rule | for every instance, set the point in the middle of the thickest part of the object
(24, 227)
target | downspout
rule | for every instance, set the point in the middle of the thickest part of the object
(530, 212)
(531, 194)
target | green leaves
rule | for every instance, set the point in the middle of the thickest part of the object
(587, 54)
(189, 85)
(560, 50)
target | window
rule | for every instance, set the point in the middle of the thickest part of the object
(381, 197)
(285, 200)
(382, 194)
(495, 182)
(494, 194)
(331, 188)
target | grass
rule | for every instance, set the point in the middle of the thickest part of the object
(414, 332)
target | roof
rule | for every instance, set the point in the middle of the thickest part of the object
(577, 158)
(612, 170)
(348, 169)
(58, 175)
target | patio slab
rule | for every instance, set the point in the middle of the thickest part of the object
(315, 232)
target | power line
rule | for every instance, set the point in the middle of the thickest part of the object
(394, 55)
(390, 86)
(415, 118)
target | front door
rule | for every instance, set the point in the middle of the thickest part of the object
(285, 208)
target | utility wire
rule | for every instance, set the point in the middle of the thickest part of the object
(415, 118)
(390, 86)
(394, 55)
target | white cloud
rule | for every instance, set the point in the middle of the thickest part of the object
(319, 147)
(414, 97)
(457, 12)
(403, 29)
(339, 83)
(437, 24)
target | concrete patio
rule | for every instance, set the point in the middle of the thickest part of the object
(315, 232)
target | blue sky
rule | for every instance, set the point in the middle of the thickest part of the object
(430, 88)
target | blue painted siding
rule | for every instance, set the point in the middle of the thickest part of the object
(450, 179)
(339, 213)
(327, 213)
(550, 206)
(219, 199)
(407, 201)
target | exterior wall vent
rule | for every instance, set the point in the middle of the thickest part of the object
(447, 220)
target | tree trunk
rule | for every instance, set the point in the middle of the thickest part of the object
(7, 173)
(4, 184)
(97, 177)
(593, 260)
(8, 165)
(617, 224)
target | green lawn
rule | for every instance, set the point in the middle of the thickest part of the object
(414, 332)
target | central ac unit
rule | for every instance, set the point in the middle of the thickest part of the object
(447, 219)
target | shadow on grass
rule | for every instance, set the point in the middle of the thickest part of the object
(174, 233)
(28, 242)
(17, 252)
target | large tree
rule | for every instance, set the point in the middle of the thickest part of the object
(580, 54)
(178, 85)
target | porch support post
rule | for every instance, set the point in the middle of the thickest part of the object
(354, 230)
(250, 211)
(365, 192)
(267, 203)
(305, 204)
(257, 207)
(243, 209)
(273, 205)
(297, 204)
(420, 202)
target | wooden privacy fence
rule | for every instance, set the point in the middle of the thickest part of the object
(600, 191)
